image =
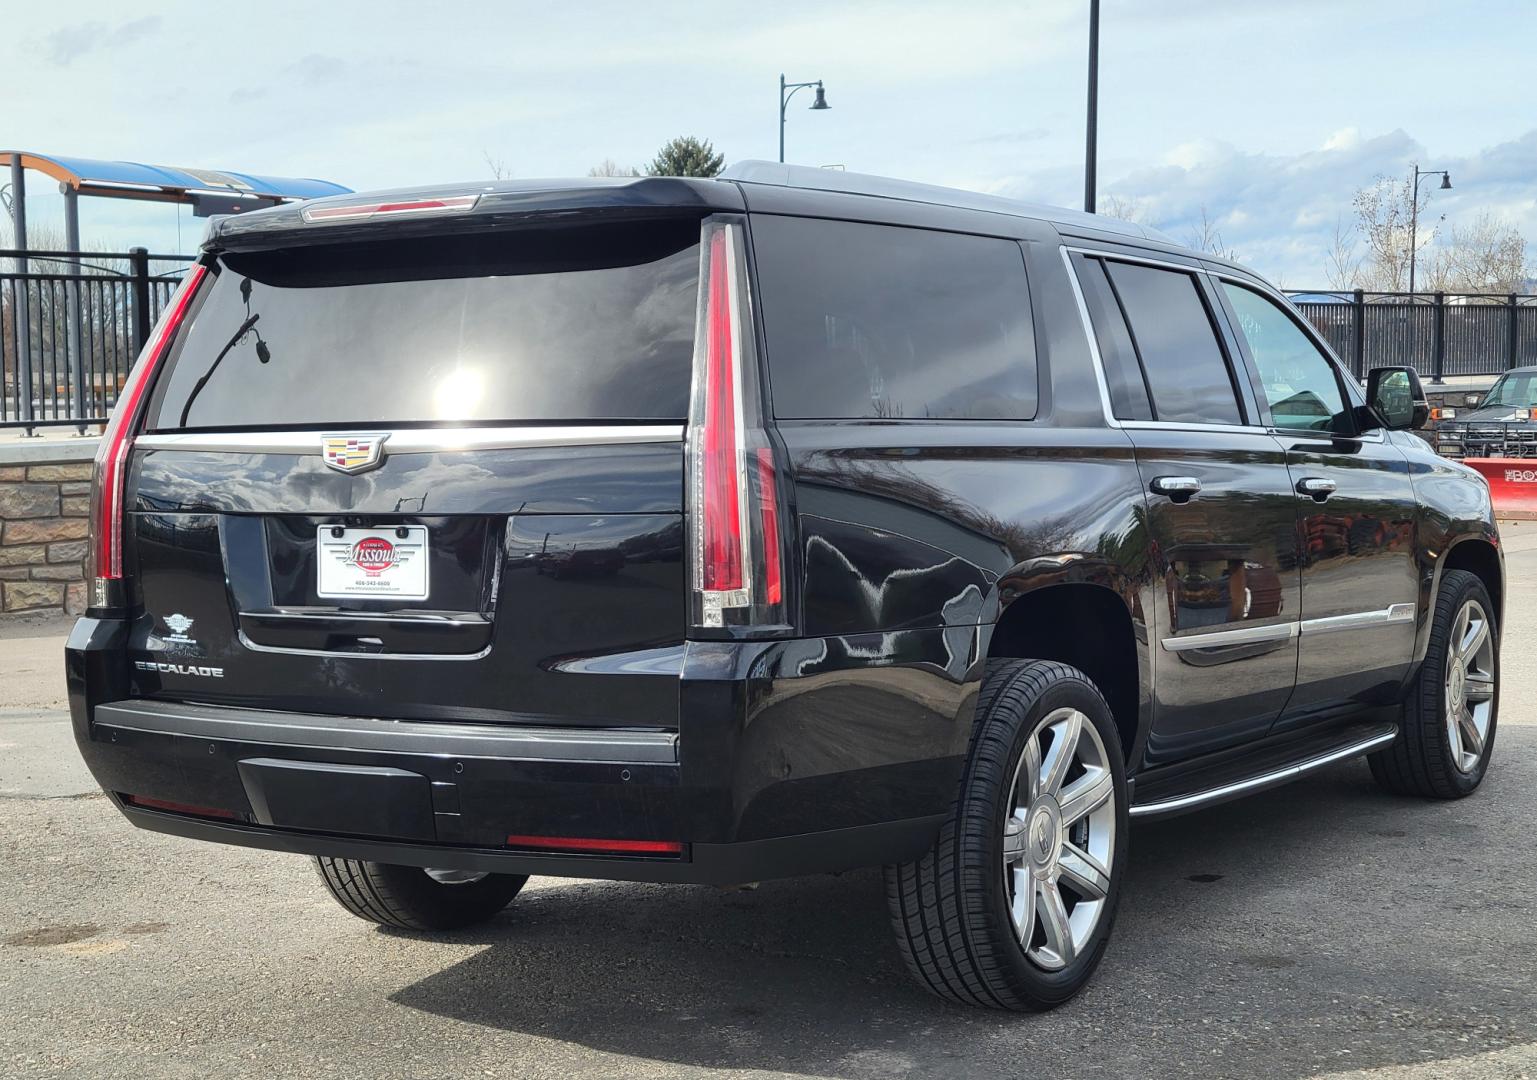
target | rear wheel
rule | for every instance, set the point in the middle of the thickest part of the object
(410, 898)
(1013, 906)
(1450, 715)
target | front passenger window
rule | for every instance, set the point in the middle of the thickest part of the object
(1300, 382)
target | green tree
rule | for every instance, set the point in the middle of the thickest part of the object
(686, 156)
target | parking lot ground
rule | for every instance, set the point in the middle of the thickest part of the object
(1322, 929)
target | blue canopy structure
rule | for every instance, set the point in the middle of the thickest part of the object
(207, 191)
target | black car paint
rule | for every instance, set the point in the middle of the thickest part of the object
(919, 546)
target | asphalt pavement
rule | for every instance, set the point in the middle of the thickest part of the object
(1322, 929)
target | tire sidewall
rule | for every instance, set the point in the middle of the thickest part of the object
(1055, 986)
(1468, 587)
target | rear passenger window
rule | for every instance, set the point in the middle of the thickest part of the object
(1172, 332)
(1123, 374)
(875, 321)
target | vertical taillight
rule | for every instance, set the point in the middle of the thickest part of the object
(734, 511)
(112, 455)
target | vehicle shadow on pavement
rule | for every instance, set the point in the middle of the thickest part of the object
(1322, 926)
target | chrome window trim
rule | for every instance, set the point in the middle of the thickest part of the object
(434, 440)
(1068, 251)
(1249, 635)
(1093, 339)
(1264, 779)
(1100, 253)
(1190, 425)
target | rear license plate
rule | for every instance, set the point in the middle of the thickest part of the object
(372, 562)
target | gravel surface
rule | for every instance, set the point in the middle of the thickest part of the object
(1323, 929)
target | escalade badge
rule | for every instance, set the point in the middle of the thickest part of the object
(353, 453)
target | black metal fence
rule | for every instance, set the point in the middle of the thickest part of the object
(71, 324)
(1439, 334)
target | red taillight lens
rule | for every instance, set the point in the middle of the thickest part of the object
(112, 454)
(768, 496)
(594, 846)
(735, 512)
(722, 503)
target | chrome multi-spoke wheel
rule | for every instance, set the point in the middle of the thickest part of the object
(1059, 839)
(1013, 905)
(1451, 708)
(1469, 694)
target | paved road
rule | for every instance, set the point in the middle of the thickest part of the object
(1319, 930)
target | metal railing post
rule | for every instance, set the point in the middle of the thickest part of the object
(139, 258)
(22, 311)
(1358, 346)
(1513, 330)
(72, 340)
(1440, 339)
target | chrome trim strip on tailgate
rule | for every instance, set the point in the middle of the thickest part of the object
(416, 440)
(501, 741)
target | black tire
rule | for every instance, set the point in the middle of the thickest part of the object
(1421, 760)
(950, 908)
(408, 898)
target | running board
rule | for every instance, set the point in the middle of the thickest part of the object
(1352, 743)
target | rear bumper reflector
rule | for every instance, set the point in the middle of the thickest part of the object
(144, 803)
(596, 846)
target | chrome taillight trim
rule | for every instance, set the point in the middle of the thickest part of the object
(440, 440)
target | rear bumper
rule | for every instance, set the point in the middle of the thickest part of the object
(754, 782)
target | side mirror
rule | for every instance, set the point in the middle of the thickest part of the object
(1395, 399)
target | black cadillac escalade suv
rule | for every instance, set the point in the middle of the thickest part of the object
(708, 531)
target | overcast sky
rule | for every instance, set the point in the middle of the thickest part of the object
(1268, 114)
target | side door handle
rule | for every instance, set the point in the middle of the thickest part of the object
(1318, 487)
(1177, 488)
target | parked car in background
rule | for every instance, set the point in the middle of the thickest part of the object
(793, 521)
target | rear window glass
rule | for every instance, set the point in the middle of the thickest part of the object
(875, 321)
(516, 325)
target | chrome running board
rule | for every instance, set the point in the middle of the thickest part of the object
(1272, 778)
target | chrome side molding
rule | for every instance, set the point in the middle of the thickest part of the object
(1248, 635)
(436, 440)
(1360, 620)
(1243, 635)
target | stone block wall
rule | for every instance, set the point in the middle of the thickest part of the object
(44, 533)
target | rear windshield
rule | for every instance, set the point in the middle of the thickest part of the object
(572, 324)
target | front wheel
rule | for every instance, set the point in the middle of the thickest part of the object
(1449, 718)
(1012, 907)
(410, 898)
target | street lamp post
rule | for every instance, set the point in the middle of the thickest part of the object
(1091, 149)
(1414, 214)
(1414, 224)
(784, 103)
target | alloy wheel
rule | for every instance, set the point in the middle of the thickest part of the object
(1059, 839)
(1469, 697)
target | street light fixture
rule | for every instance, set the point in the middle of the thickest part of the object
(1414, 214)
(819, 102)
(1414, 224)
